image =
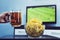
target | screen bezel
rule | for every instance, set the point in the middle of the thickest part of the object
(46, 23)
(42, 6)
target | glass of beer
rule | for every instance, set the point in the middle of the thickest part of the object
(15, 18)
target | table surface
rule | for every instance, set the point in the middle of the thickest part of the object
(27, 37)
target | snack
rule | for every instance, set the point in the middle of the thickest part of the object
(34, 28)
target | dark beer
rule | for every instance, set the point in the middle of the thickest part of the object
(16, 19)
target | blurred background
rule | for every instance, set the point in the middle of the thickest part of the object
(20, 5)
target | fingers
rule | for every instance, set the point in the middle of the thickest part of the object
(4, 17)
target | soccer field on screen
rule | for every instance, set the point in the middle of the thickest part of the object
(45, 14)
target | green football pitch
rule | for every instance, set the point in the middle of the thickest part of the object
(45, 14)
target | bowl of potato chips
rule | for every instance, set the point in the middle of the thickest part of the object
(34, 28)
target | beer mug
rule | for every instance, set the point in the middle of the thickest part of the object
(15, 18)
